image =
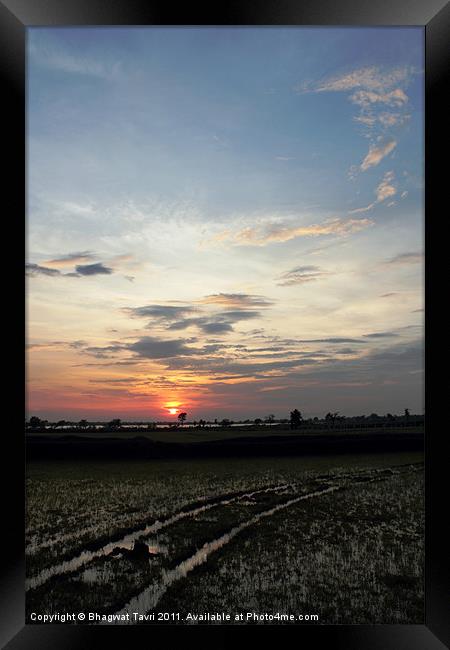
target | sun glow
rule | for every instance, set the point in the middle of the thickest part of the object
(173, 411)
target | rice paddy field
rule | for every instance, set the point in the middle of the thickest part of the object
(338, 537)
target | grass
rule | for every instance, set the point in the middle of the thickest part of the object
(355, 557)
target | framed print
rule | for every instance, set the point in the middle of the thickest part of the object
(232, 247)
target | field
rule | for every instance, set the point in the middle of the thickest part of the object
(186, 434)
(341, 537)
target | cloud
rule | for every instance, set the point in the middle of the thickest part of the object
(365, 209)
(336, 339)
(278, 233)
(93, 269)
(386, 189)
(392, 119)
(301, 275)
(235, 300)
(376, 154)
(58, 59)
(116, 380)
(42, 346)
(70, 259)
(215, 327)
(380, 99)
(238, 314)
(176, 317)
(36, 269)
(76, 345)
(245, 368)
(207, 325)
(386, 120)
(80, 270)
(151, 347)
(103, 352)
(370, 86)
(160, 312)
(365, 98)
(148, 347)
(216, 323)
(371, 78)
(406, 258)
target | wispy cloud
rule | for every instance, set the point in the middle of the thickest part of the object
(279, 232)
(385, 190)
(36, 269)
(59, 59)
(406, 258)
(384, 119)
(369, 88)
(370, 77)
(235, 300)
(301, 275)
(70, 259)
(376, 154)
(379, 95)
(365, 98)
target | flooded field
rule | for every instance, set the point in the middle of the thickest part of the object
(338, 536)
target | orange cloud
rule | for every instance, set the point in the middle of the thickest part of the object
(376, 154)
(278, 233)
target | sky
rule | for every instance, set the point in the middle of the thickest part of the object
(224, 221)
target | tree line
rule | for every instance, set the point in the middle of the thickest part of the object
(332, 420)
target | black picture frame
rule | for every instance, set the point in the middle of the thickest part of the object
(434, 17)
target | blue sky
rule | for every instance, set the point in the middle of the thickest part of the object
(167, 166)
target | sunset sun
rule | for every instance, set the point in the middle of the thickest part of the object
(173, 411)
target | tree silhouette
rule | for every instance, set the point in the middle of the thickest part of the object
(182, 417)
(115, 424)
(331, 418)
(83, 424)
(296, 419)
(35, 422)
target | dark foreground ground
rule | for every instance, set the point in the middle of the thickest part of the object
(337, 536)
(222, 443)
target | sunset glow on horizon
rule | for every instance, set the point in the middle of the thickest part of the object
(224, 222)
